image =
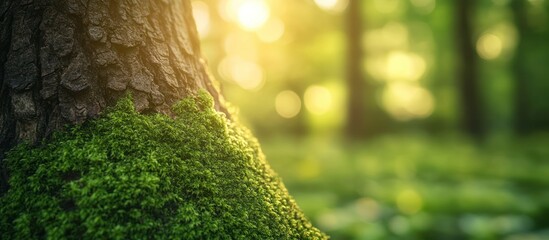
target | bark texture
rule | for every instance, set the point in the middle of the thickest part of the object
(64, 61)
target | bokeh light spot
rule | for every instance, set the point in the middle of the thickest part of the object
(318, 100)
(489, 46)
(404, 66)
(407, 101)
(409, 201)
(247, 74)
(252, 14)
(287, 104)
(332, 5)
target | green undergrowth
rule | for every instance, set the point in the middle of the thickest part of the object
(133, 176)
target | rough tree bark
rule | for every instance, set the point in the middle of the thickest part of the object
(125, 175)
(63, 61)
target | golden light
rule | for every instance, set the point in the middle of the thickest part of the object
(247, 74)
(409, 201)
(317, 99)
(406, 101)
(271, 31)
(394, 34)
(326, 4)
(332, 5)
(201, 15)
(249, 14)
(243, 45)
(404, 66)
(489, 46)
(287, 104)
(252, 14)
(228, 9)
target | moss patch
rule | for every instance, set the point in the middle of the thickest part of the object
(131, 176)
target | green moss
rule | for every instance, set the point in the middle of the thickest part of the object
(131, 176)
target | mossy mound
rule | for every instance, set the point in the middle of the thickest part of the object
(131, 176)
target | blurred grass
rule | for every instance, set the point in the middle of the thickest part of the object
(418, 187)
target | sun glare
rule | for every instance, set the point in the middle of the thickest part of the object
(252, 14)
(249, 14)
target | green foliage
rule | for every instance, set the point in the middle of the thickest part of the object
(131, 176)
(457, 189)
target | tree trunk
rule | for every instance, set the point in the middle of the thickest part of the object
(64, 61)
(521, 75)
(362, 112)
(471, 102)
(531, 108)
(125, 175)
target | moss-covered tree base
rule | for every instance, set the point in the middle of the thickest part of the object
(132, 176)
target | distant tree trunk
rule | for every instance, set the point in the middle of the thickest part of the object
(521, 75)
(362, 115)
(471, 102)
(531, 54)
(63, 61)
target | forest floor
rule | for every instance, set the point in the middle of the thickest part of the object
(418, 187)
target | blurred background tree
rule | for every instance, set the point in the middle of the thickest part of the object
(395, 119)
